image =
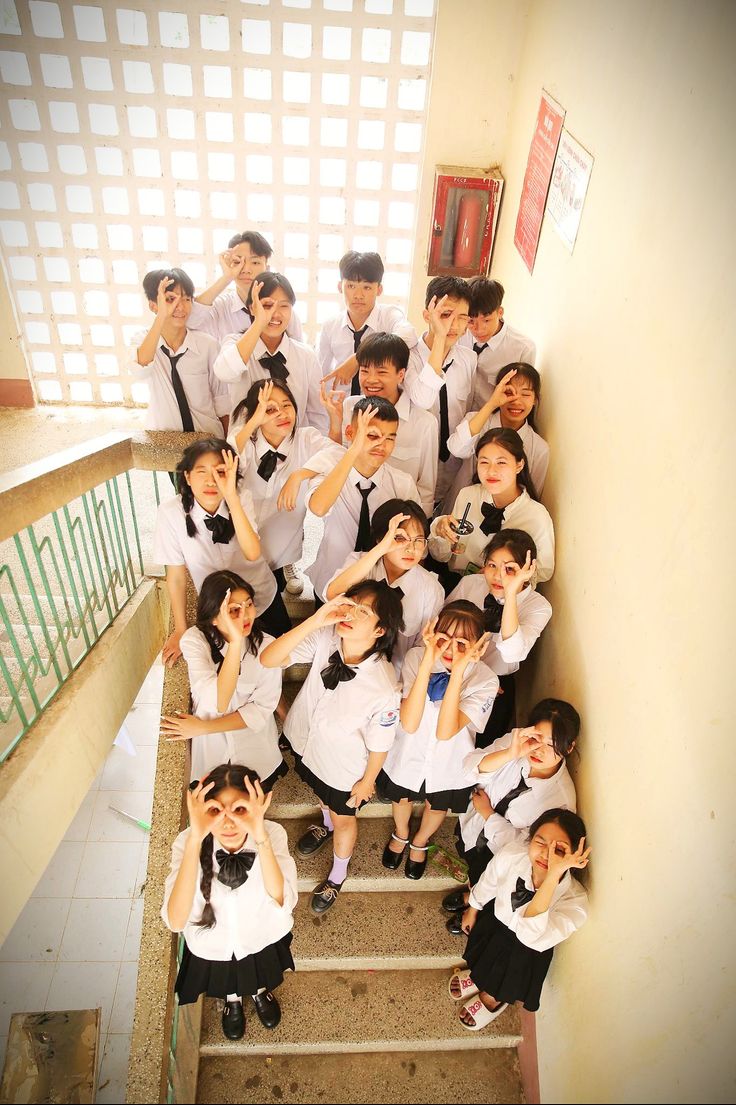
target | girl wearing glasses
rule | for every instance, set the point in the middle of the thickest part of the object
(399, 529)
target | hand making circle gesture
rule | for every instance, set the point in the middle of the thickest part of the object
(514, 577)
(561, 858)
(202, 819)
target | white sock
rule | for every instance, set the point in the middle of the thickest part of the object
(327, 820)
(339, 871)
(233, 997)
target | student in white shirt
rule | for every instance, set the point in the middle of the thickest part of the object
(266, 352)
(221, 310)
(503, 497)
(360, 286)
(207, 528)
(515, 616)
(177, 363)
(233, 696)
(343, 721)
(441, 373)
(231, 892)
(513, 405)
(520, 776)
(447, 697)
(495, 342)
(274, 452)
(399, 531)
(524, 904)
(382, 360)
(352, 484)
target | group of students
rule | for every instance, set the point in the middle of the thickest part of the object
(421, 456)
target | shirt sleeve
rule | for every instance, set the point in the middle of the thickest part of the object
(295, 329)
(486, 887)
(139, 371)
(427, 478)
(166, 541)
(305, 651)
(421, 381)
(324, 351)
(461, 442)
(315, 414)
(202, 672)
(533, 617)
(564, 916)
(409, 669)
(472, 762)
(280, 848)
(402, 328)
(177, 855)
(545, 541)
(229, 365)
(381, 728)
(257, 712)
(218, 388)
(476, 699)
(499, 832)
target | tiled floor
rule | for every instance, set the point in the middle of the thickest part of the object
(76, 944)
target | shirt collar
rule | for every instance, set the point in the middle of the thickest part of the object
(186, 344)
(283, 347)
(424, 350)
(262, 447)
(199, 513)
(371, 322)
(218, 844)
(337, 644)
(499, 338)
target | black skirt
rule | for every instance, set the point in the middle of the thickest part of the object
(335, 800)
(281, 770)
(501, 965)
(217, 978)
(439, 800)
(477, 858)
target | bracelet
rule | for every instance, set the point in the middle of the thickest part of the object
(258, 843)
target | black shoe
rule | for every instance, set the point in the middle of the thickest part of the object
(390, 859)
(325, 896)
(455, 900)
(233, 1020)
(268, 1009)
(415, 868)
(313, 839)
(454, 924)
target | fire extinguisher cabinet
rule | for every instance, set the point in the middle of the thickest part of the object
(464, 217)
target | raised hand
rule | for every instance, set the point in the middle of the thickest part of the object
(503, 392)
(344, 372)
(231, 266)
(336, 610)
(255, 805)
(388, 542)
(440, 317)
(524, 741)
(514, 578)
(472, 654)
(202, 819)
(261, 309)
(230, 619)
(361, 426)
(226, 476)
(332, 399)
(262, 412)
(561, 858)
(166, 301)
(434, 642)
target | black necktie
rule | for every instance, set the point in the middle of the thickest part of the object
(275, 365)
(187, 423)
(478, 348)
(234, 868)
(357, 338)
(398, 591)
(493, 614)
(337, 671)
(267, 466)
(363, 540)
(492, 518)
(521, 895)
(444, 418)
(501, 807)
(221, 529)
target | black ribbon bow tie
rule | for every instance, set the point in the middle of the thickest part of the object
(478, 348)
(275, 365)
(234, 868)
(267, 466)
(221, 528)
(492, 518)
(493, 614)
(337, 671)
(521, 895)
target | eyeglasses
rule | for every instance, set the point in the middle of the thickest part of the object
(355, 612)
(402, 539)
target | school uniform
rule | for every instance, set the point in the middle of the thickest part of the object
(507, 952)
(248, 946)
(421, 598)
(339, 339)
(462, 444)
(229, 315)
(281, 531)
(298, 364)
(506, 347)
(415, 451)
(255, 697)
(342, 521)
(447, 397)
(185, 393)
(420, 766)
(524, 513)
(333, 730)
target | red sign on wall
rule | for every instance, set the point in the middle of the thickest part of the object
(550, 118)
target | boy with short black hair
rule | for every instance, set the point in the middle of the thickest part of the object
(494, 341)
(178, 363)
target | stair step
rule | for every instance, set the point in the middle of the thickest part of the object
(361, 1011)
(293, 798)
(487, 1077)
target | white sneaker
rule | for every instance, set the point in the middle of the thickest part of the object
(294, 582)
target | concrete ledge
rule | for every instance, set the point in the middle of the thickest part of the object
(17, 393)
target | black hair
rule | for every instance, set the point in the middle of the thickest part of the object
(383, 514)
(247, 406)
(224, 777)
(512, 443)
(213, 591)
(367, 267)
(454, 286)
(517, 541)
(564, 719)
(189, 458)
(388, 610)
(177, 279)
(259, 247)
(385, 410)
(464, 615)
(380, 349)
(269, 282)
(486, 295)
(526, 372)
(570, 823)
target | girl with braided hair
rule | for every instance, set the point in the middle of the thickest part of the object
(231, 892)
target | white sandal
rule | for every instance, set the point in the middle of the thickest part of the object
(468, 989)
(481, 1014)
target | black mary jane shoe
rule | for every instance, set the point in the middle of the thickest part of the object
(268, 1009)
(233, 1020)
(454, 902)
(415, 868)
(454, 924)
(390, 859)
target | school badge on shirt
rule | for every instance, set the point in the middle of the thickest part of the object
(388, 717)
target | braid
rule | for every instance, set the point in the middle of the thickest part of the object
(187, 496)
(208, 919)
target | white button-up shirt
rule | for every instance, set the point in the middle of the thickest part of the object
(336, 342)
(202, 556)
(334, 731)
(207, 396)
(247, 918)
(557, 792)
(567, 911)
(255, 697)
(303, 379)
(534, 611)
(228, 315)
(505, 347)
(419, 757)
(462, 444)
